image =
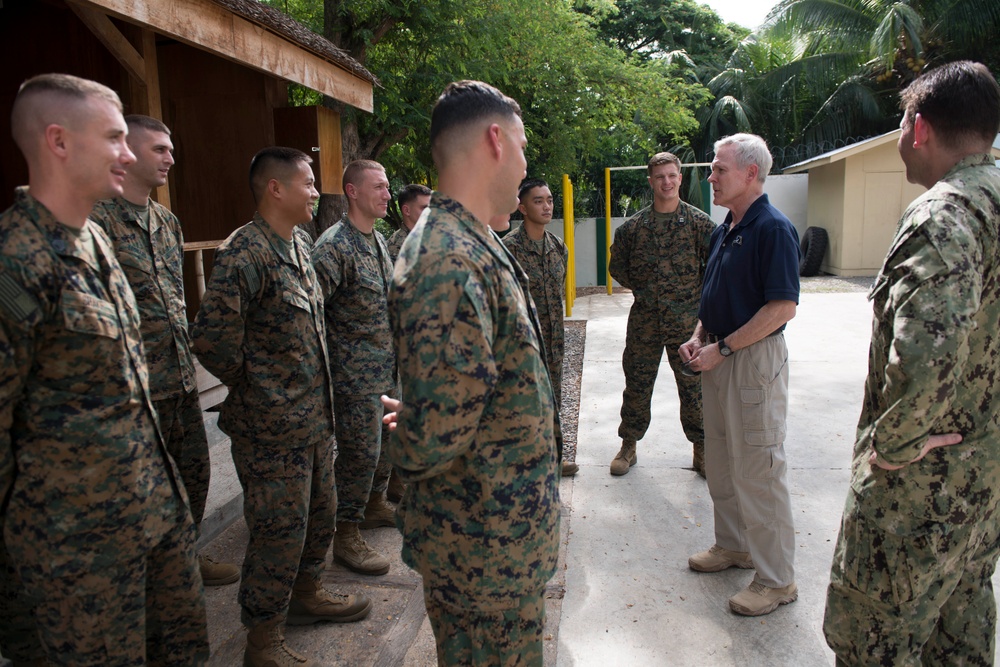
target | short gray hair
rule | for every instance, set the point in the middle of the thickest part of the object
(749, 149)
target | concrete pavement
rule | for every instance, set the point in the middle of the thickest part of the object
(625, 595)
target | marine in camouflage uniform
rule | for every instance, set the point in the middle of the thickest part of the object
(544, 261)
(475, 433)
(412, 200)
(95, 520)
(475, 439)
(354, 273)
(546, 271)
(95, 524)
(661, 257)
(260, 330)
(911, 576)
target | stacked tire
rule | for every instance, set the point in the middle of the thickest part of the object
(813, 249)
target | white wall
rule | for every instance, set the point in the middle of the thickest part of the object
(789, 193)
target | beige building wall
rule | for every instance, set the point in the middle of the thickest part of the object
(859, 201)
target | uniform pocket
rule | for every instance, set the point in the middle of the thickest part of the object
(297, 299)
(763, 426)
(87, 314)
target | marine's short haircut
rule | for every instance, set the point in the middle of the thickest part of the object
(529, 184)
(465, 102)
(137, 121)
(961, 101)
(49, 99)
(749, 149)
(273, 162)
(411, 192)
(662, 158)
(355, 170)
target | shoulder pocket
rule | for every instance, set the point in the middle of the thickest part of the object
(84, 313)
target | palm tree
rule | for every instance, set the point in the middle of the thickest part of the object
(822, 71)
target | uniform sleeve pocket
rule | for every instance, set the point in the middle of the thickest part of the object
(84, 313)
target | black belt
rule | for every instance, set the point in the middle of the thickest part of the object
(713, 338)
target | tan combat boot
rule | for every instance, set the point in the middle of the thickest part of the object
(351, 551)
(378, 513)
(311, 603)
(217, 574)
(625, 459)
(569, 468)
(266, 647)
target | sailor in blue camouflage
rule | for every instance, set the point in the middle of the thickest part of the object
(260, 330)
(95, 518)
(660, 254)
(475, 434)
(920, 537)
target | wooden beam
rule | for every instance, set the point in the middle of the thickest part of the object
(154, 106)
(210, 27)
(112, 38)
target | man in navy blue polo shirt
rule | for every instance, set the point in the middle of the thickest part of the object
(751, 290)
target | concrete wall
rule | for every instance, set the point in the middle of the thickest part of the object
(790, 193)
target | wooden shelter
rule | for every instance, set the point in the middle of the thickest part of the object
(215, 71)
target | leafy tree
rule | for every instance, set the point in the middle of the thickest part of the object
(579, 94)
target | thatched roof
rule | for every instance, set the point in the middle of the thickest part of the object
(280, 23)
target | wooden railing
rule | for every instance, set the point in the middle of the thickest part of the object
(199, 248)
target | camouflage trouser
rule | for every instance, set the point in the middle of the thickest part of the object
(144, 608)
(183, 427)
(501, 638)
(914, 599)
(360, 468)
(641, 361)
(555, 367)
(289, 503)
(18, 633)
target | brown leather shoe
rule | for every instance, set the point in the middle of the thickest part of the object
(717, 559)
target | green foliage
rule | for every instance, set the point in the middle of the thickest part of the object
(584, 100)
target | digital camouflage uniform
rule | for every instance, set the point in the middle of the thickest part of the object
(355, 284)
(152, 258)
(474, 440)
(546, 272)
(260, 330)
(663, 263)
(95, 518)
(910, 582)
(395, 242)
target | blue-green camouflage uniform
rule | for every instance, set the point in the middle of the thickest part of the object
(152, 257)
(910, 582)
(662, 260)
(474, 440)
(95, 519)
(260, 330)
(546, 270)
(354, 278)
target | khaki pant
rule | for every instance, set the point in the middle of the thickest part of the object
(745, 400)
